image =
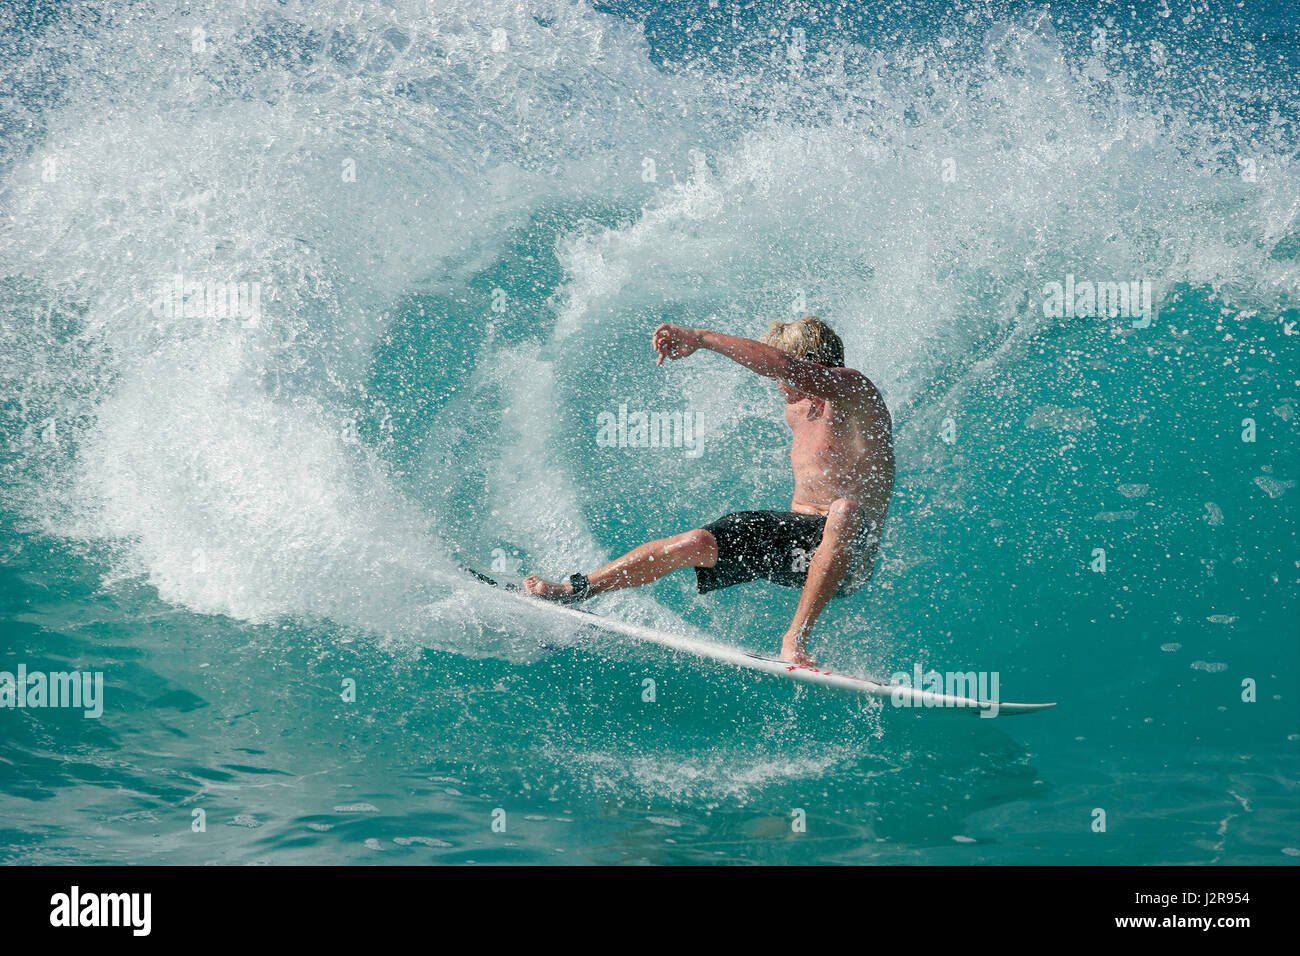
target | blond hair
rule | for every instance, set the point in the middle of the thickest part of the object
(808, 338)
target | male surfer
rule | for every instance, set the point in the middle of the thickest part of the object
(843, 458)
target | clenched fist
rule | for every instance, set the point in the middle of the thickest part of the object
(675, 341)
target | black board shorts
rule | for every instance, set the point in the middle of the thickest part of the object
(778, 546)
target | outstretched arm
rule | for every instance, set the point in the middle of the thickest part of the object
(834, 384)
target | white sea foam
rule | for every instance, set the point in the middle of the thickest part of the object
(345, 157)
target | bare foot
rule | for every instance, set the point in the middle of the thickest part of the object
(547, 590)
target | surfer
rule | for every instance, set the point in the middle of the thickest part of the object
(843, 460)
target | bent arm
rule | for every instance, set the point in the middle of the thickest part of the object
(833, 384)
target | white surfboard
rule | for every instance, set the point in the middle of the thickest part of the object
(905, 698)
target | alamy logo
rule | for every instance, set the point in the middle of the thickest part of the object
(183, 298)
(923, 689)
(102, 909)
(650, 430)
(80, 689)
(1072, 299)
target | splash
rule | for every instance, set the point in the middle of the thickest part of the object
(379, 168)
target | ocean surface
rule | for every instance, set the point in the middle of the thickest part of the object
(432, 239)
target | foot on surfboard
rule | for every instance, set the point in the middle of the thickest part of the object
(571, 591)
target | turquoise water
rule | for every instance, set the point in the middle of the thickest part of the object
(461, 249)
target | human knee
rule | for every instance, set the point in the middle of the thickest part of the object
(697, 543)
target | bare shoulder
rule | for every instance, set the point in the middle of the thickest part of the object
(863, 402)
(863, 392)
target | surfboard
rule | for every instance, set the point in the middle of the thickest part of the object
(900, 696)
